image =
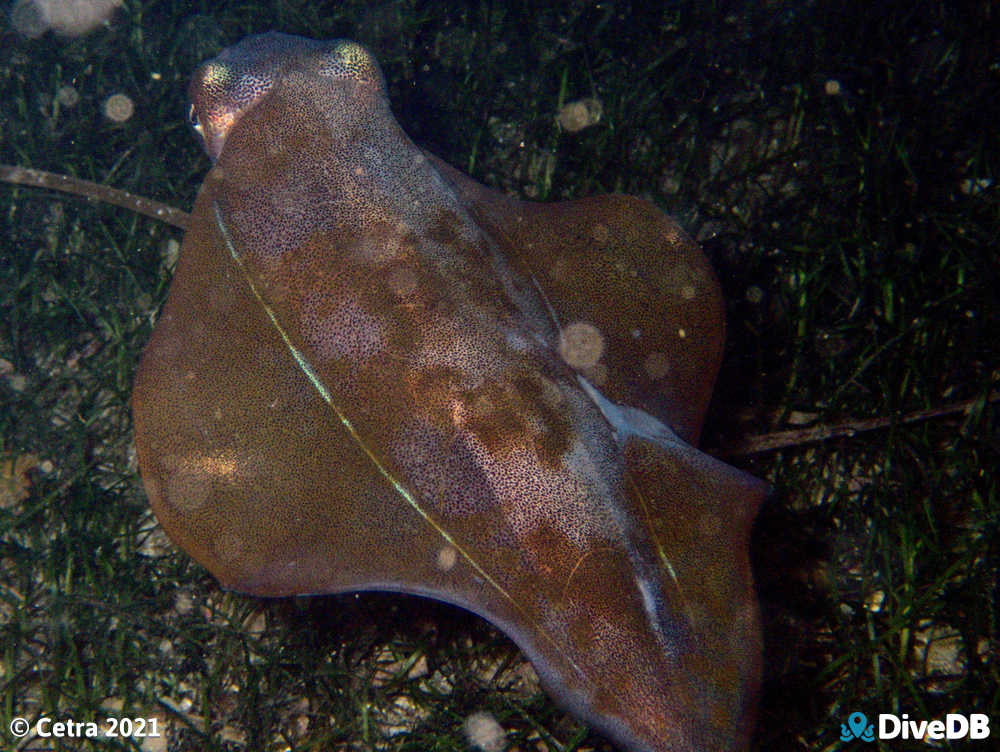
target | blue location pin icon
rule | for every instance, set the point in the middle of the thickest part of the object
(858, 723)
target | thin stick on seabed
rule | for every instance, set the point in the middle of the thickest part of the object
(95, 191)
(768, 442)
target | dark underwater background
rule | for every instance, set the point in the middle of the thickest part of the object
(836, 160)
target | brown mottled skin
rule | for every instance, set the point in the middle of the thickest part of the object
(358, 383)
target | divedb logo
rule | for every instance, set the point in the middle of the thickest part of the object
(973, 726)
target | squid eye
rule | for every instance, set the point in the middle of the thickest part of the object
(193, 119)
